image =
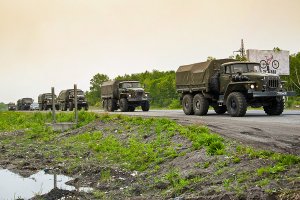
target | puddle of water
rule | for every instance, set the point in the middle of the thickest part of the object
(14, 186)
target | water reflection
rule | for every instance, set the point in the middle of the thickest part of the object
(14, 186)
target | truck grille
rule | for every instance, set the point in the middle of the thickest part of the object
(273, 82)
(139, 94)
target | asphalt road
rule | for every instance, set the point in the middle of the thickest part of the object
(278, 133)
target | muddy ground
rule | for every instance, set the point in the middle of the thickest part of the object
(189, 174)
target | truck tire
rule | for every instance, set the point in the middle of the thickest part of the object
(200, 104)
(214, 83)
(131, 108)
(40, 106)
(146, 106)
(105, 105)
(220, 109)
(86, 107)
(236, 104)
(187, 104)
(123, 105)
(276, 107)
(110, 106)
(71, 106)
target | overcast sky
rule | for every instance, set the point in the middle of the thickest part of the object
(45, 43)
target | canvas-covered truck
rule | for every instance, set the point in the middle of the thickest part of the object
(229, 85)
(45, 101)
(24, 103)
(126, 95)
(66, 100)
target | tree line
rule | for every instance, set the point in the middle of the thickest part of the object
(162, 88)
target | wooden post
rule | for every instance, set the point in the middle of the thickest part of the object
(53, 106)
(55, 180)
(75, 99)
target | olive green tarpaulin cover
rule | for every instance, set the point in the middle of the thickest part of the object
(196, 76)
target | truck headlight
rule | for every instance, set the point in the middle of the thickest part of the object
(252, 86)
(146, 95)
(129, 95)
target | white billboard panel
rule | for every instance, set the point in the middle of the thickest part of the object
(276, 61)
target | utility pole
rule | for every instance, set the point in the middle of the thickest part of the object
(241, 50)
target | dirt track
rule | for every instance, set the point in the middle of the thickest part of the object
(278, 133)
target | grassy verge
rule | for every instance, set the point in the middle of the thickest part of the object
(171, 159)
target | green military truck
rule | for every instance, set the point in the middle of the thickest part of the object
(66, 100)
(11, 106)
(126, 95)
(45, 101)
(24, 103)
(229, 85)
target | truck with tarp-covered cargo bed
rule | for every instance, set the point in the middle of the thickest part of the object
(66, 100)
(24, 103)
(45, 101)
(229, 86)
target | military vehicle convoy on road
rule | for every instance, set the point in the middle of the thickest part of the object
(66, 100)
(45, 101)
(229, 85)
(126, 95)
(11, 106)
(24, 103)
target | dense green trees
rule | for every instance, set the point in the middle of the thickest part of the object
(293, 80)
(3, 106)
(94, 94)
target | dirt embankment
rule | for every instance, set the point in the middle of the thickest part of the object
(134, 158)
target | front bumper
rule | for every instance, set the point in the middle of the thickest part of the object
(137, 99)
(271, 93)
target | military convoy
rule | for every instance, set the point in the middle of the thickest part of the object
(45, 101)
(66, 100)
(124, 95)
(24, 103)
(229, 85)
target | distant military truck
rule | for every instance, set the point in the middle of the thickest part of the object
(66, 100)
(45, 101)
(11, 106)
(126, 95)
(229, 85)
(24, 103)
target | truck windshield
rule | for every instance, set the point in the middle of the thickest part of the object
(243, 68)
(131, 85)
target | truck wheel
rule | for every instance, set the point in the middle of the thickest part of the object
(146, 106)
(276, 107)
(45, 107)
(105, 105)
(236, 104)
(71, 106)
(220, 109)
(110, 106)
(187, 104)
(131, 108)
(86, 107)
(123, 105)
(200, 104)
(40, 106)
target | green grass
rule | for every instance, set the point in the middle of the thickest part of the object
(145, 145)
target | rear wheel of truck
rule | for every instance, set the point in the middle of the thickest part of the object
(220, 109)
(146, 106)
(275, 107)
(187, 104)
(123, 105)
(110, 105)
(105, 105)
(200, 104)
(71, 106)
(131, 108)
(236, 104)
